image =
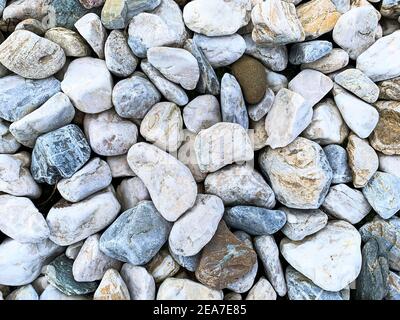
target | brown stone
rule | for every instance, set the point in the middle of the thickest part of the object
(390, 89)
(224, 260)
(386, 136)
(250, 73)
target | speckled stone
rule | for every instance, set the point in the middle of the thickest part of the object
(31, 25)
(137, 235)
(71, 42)
(310, 51)
(390, 89)
(338, 160)
(114, 14)
(59, 154)
(112, 287)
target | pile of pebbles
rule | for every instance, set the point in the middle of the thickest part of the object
(205, 149)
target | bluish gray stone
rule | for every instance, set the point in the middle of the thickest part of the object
(372, 283)
(137, 6)
(59, 154)
(255, 220)
(259, 110)
(208, 81)
(19, 96)
(310, 51)
(59, 274)
(302, 288)
(338, 160)
(383, 194)
(190, 263)
(137, 235)
(2, 6)
(233, 106)
(134, 97)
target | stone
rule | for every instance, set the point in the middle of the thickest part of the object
(190, 263)
(108, 134)
(114, 14)
(119, 58)
(216, 17)
(202, 113)
(359, 84)
(15, 177)
(259, 110)
(19, 96)
(31, 56)
(327, 125)
(139, 281)
(171, 91)
(338, 160)
(363, 160)
(274, 57)
(312, 94)
(388, 232)
(262, 290)
(302, 288)
(21, 263)
(59, 154)
(89, 4)
(177, 65)
(378, 62)
(112, 287)
(196, 228)
(390, 89)
(233, 107)
(319, 256)
(52, 293)
(59, 275)
(72, 250)
(289, 116)
(130, 192)
(302, 223)
(137, 6)
(389, 164)
(137, 235)
(372, 281)
(224, 260)
(70, 41)
(276, 81)
(31, 25)
(276, 22)
(390, 9)
(72, 222)
(55, 113)
(134, 97)
(333, 61)
(240, 185)
(173, 196)
(163, 126)
(93, 31)
(350, 107)
(221, 51)
(385, 137)
(300, 174)
(88, 84)
(258, 134)
(255, 221)
(163, 266)
(393, 287)
(91, 264)
(317, 17)
(185, 289)
(345, 203)
(8, 143)
(23, 293)
(21, 220)
(233, 296)
(310, 51)
(119, 166)
(382, 192)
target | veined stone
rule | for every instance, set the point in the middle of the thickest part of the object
(93, 31)
(310, 51)
(338, 160)
(52, 293)
(71, 42)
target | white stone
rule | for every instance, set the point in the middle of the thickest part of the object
(276, 81)
(262, 290)
(140, 282)
(119, 166)
(163, 266)
(333, 61)
(258, 134)
(72, 250)
(112, 287)
(93, 31)
(40, 284)
(184, 289)
(130, 192)
(8, 143)
(259, 110)
(23, 293)
(52, 293)
(389, 164)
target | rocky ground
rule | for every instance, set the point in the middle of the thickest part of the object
(205, 149)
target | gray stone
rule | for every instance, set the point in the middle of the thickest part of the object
(130, 192)
(23, 293)
(137, 235)
(31, 25)
(52, 293)
(8, 143)
(255, 221)
(119, 167)
(338, 160)
(19, 96)
(190, 263)
(308, 52)
(393, 287)
(59, 154)
(140, 282)
(333, 61)
(259, 110)
(276, 81)
(137, 6)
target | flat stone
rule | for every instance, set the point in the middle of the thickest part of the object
(389, 164)
(333, 61)
(240, 185)
(359, 84)
(302, 223)
(55, 113)
(163, 126)
(23, 293)
(233, 106)
(338, 160)
(112, 287)
(300, 173)
(276, 22)
(390, 89)
(170, 198)
(8, 143)
(393, 284)
(93, 31)
(262, 290)
(31, 56)
(386, 135)
(21, 263)
(70, 41)
(139, 281)
(72, 222)
(163, 266)
(20, 220)
(310, 51)
(88, 84)
(114, 14)
(59, 154)
(255, 220)
(363, 160)
(184, 289)
(259, 110)
(130, 192)
(119, 166)
(137, 235)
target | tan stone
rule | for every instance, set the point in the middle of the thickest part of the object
(390, 89)
(112, 287)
